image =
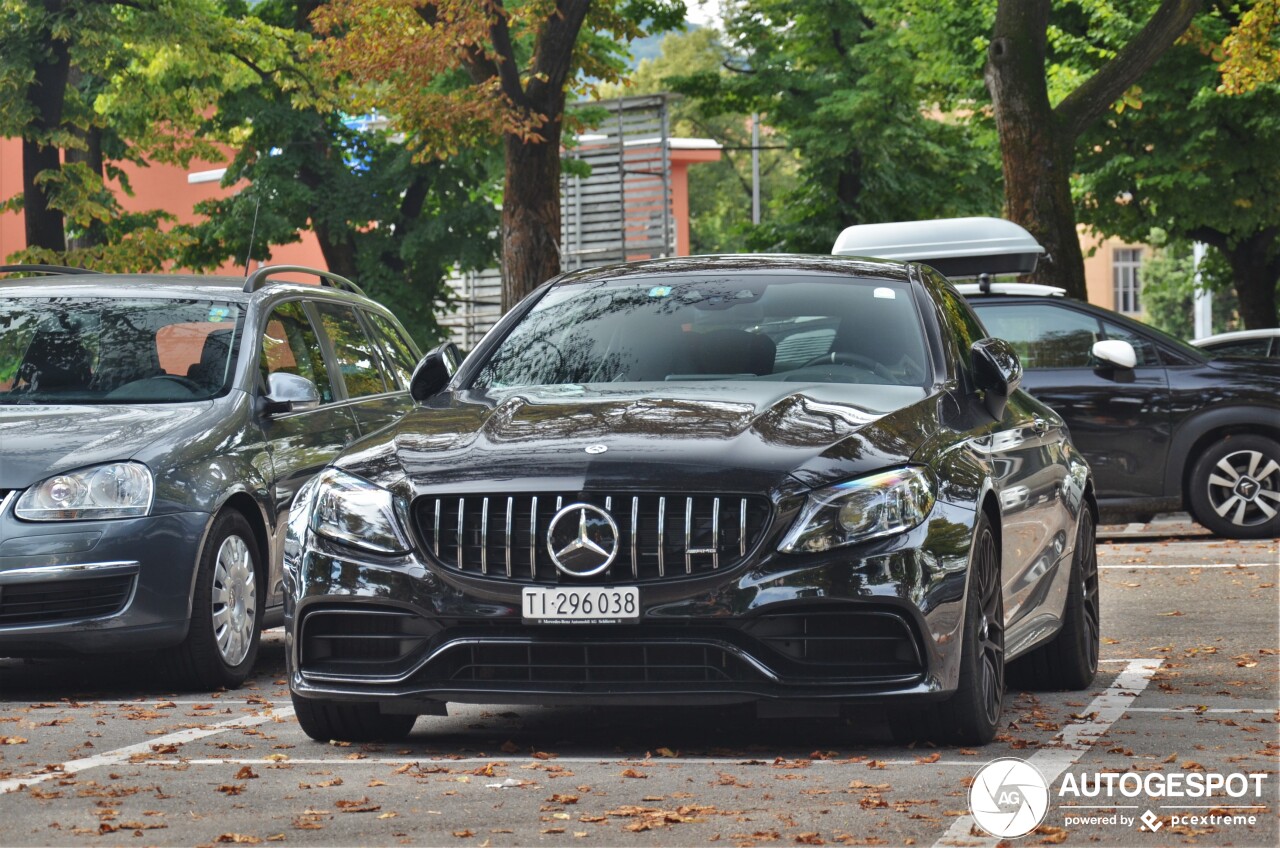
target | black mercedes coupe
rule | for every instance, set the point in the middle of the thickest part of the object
(804, 482)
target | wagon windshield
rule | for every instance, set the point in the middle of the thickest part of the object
(61, 350)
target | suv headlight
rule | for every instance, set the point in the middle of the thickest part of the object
(118, 490)
(867, 508)
(354, 511)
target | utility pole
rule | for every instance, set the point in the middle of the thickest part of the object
(755, 168)
(1202, 311)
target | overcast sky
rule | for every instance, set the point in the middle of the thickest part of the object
(704, 12)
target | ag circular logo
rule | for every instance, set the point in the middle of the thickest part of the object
(1009, 797)
(582, 540)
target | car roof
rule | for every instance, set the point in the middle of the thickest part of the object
(1238, 335)
(1024, 289)
(743, 263)
(212, 286)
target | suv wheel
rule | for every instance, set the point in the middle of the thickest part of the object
(972, 714)
(1235, 487)
(348, 721)
(1070, 660)
(226, 610)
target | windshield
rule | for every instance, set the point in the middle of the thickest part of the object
(78, 350)
(816, 329)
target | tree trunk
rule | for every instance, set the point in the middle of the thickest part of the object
(91, 156)
(1255, 271)
(531, 213)
(1037, 141)
(1036, 155)
(46, 93)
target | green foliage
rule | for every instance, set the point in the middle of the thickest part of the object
(1169, 289)
(840, 82)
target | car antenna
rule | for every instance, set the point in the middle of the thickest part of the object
(253, 230)
(984, 283)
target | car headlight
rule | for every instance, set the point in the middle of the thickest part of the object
(867, 508)
(118, 490)
(354, 511)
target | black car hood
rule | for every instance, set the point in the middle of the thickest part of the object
(39, 441)
(730, 437)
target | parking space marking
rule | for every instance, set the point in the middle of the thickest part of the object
(121, 755)
(1077, 738)
(466, 761)
(1241, 565)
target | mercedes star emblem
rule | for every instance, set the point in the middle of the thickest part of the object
(582, 540)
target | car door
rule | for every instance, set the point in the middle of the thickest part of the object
(1119, 417)
(300, 442)
(374, 393)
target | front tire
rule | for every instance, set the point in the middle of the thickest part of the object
(350, 721)
(972, 714)
(1070, 660)
(226, 610)
(1235, 488)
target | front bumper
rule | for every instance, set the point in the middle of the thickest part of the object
(880, 621)
(86, 587)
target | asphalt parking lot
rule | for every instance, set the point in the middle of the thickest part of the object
(95, 753)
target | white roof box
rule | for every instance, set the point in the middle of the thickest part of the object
(957, 247)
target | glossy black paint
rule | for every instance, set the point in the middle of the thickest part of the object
(1143, 428)
(779, 440)
(228, 453)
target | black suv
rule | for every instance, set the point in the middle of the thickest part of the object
(153, 432)
(1165, 425)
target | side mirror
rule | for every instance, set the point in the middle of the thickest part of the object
(289, 393)
(1115, 352)
(997, 372)
(434, 371)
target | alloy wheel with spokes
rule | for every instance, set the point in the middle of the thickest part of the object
(1235, 487)
(990, 628)
(235, 600)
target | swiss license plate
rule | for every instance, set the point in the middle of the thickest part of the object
(581, 605)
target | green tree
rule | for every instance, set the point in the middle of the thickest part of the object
(839, 80)
(518, 60)
(1197, 163)
(1169, 287)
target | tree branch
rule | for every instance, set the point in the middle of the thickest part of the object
(507, 72)
(554, 54)
(1094, 96)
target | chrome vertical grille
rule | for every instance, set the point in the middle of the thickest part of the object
(656, 533)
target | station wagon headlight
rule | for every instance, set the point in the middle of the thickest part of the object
(351, 510)
(858, 510)
(118, 490)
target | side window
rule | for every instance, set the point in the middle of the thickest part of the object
(1148, 353)
(400, 357)
(1044, 336)
(290, 344)
(357, 357)
(967, 327)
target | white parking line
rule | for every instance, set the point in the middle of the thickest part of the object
(1240, 565)
(120, 755)
(1077, 738)
(517, 761)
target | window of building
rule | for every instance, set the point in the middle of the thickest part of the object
(1125, 264)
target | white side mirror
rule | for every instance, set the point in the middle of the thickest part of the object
(1117, 352)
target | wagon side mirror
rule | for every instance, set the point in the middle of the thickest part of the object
(289, 393)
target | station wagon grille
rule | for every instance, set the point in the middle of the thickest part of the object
(660, 537)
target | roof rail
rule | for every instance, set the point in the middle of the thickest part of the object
(260, 277)
(44, 269)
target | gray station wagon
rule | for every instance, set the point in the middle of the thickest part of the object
(153, 432)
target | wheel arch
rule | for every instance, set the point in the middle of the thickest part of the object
(247, 506)
(1208, 428)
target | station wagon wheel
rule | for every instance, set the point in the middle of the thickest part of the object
(1235, 488)
(226, 610)
(235, 600)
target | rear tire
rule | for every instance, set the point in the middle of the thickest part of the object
(1235, 488)
(972, 714)
(226, 611)
(1070, 660)
(347, 721)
